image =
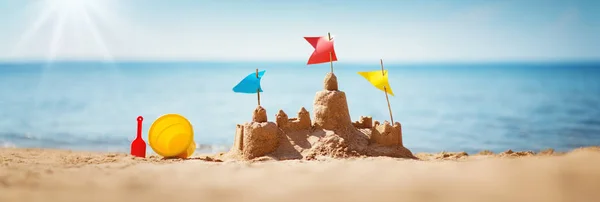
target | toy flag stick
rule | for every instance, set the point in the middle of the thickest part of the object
(258, 89)
(380, 81)
(386, 94)
(330, 54)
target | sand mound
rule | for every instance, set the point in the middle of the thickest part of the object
(586, 149)
(331, 133)
(583, 151)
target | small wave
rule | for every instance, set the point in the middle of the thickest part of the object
(211, 148)
(64, 140)
(20, 136)
(5, 144)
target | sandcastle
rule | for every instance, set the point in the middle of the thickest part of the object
(330, 133)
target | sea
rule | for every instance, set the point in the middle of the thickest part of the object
(93, 106)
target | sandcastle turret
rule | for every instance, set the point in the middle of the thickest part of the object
(259, 115)
(364, 122)
(387, 135)
(330, 82)
(281, 118)
(330, 107)
(256, 138)
(301, 122)
(303, 119)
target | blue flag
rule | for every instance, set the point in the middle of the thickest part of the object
(249, 84)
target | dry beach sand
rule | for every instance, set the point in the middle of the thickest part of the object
(57, 175)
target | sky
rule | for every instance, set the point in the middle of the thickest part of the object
(273, 30)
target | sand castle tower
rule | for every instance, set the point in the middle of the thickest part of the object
(330, 107)
(331, 113)
(256, 138)
(386, 134)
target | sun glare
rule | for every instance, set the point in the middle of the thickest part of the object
(64, 16)
(73, 30)
(68, 6)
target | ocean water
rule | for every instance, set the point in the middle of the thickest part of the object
(442, 107)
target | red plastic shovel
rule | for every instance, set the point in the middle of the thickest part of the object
(138, 146)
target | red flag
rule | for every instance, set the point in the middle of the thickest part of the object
(323, 47)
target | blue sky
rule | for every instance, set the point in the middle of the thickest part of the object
(395, 30)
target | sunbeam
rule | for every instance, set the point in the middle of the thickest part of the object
(35, 27)
(56, 37)
(96, 35)
(68, 6)
(108, 57)
(55, 20)
(59, 14)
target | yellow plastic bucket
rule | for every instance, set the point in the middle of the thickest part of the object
(172, 135)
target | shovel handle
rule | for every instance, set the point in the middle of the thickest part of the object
(139, 126)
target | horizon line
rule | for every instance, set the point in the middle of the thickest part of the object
(393, 62)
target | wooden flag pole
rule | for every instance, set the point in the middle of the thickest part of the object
(258, 89)
(330, 54)
(386, 94)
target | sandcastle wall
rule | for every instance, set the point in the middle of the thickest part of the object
(238, 145)
(364, 122)
(301, 122)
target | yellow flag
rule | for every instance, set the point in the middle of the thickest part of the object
(378, 80)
